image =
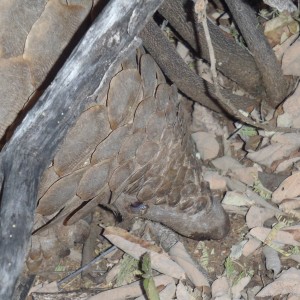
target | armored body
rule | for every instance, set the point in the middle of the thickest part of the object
(130, 151)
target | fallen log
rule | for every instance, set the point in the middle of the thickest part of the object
(109, 40)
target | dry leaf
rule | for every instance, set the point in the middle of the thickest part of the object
(204, 120)
(288, 282)
(182, 50)
(181, 292)
(256, 216)
(245, 175)
(279, 29)
(206, 145)
(216, 181)
(291, 60)
(281, 237)
(131, 290)
(294, 230)
(137, 247)
(272, 260)
(289, 206)
(286, 164)
(267, 155)
(237, 199)
(279, 50)
(220, 287)
(289, 188)
(226, 163)
(252, 245)
(236, 250)
(235, 185)
(293, 297)
(179, 254)
(261, 201)
(238, 210)
(239, 287)
(295, 257)
(286, 138)
(291, 107)
(168, 292)
(51, 287)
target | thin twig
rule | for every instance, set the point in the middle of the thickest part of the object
(86, 266)
(200, 9)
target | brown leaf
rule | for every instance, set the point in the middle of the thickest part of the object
(281, 236)
(137, 247)
(226, 163)
(289, 188)
(245, 175)
(287, 282)
(216, 181)
(251, 246)
(256, 216)
(278, 29)
(291, 60)
(294, 230)
(131, 290)
(206, 144)
(291, 107)
(179, 254)
(267, 155)
(220, 287)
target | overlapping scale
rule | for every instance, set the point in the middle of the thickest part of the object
(123, 95)
(91, 128)
(59, 193)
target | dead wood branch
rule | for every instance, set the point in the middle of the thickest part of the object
(109, 40)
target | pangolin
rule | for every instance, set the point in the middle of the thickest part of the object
(130, 151)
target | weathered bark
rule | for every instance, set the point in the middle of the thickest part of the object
(232, 60)
(178, 71)
(275, 83)
(32, 147)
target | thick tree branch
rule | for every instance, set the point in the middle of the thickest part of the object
(110, 39)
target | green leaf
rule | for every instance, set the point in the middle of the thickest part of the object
(148, 282)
